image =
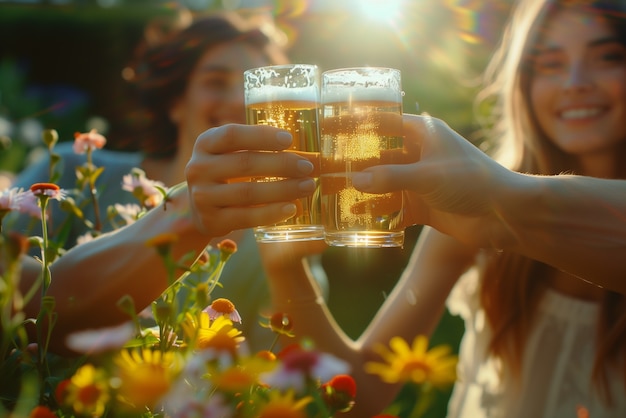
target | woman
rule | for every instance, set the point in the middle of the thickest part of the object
(508, 250)
(189, 82)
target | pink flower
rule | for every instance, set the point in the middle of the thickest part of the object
(128, 212)
(144, 189)
(101, 340)
(28, 203)
(88, 141)
(9, 199)
(297, 365)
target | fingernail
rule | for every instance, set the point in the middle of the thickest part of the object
(283, 138)
(289, 209)
(307, 185)
(305, 166)
(362, 180)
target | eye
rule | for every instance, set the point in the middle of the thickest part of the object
(217, 81)
(548, 62)
(608, 55)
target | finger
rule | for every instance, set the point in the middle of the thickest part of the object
(224, 220)
(236, 137)
(243, 194)
(236, 166)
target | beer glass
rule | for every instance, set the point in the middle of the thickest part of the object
(288, 97)
(361, 127)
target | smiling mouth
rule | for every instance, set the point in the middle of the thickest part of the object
(580, 113)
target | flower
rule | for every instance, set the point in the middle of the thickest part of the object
(404, 363)
(88, 391)
(88, 141)
(149, 192)
(101, 340)
(227, 248)
(219, 335)
(162, 242)
(9, 199)
(339, 393)
(225, 307)
(280, 323)
(145, 375)
(26, 202)
(42, 412)
(129, 212)
(50, 190)
(299, 365)
(284, 406)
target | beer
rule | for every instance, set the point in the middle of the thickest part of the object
(287, 97)
(357, 133)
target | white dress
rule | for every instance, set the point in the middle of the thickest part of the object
(558, 360)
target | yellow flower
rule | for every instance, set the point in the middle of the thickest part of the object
(404, 363)
(218, 334)
(243, 375)
(145, 375)
(88, 391)
(279, 406)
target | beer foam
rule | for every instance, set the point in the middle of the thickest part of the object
(275, 93)
(359, 93)
(292, 82)
(362, 84)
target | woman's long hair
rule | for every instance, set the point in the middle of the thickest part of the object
(512, 284)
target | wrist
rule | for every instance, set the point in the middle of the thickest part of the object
(515, 201)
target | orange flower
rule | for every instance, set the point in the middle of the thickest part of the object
(227, 248)
(47, 189)
(88, 141)
(280, 323)
(223, 307)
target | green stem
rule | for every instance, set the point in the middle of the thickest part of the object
(425, 396)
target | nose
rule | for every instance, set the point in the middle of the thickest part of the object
(577, 77)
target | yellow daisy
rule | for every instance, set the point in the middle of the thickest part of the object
(145, 375)
(88, 391)
(218, 334)
(284, 406)
(404, 363)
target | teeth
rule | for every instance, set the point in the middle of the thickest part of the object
(580, 113)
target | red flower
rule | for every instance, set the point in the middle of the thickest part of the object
(42, 412)
(339, 393)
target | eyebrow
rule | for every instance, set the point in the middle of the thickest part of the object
(595, 43)
(216, 69)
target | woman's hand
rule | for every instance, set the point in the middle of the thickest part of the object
(223, 199)
(448, 181)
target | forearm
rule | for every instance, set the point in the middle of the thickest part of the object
(90, 279)
(574, 223)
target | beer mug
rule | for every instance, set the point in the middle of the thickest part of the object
(361, 127)
(288, 97)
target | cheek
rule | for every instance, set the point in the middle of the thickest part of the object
(615, 85)
(540, 103)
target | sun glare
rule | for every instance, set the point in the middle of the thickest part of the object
(385, 10)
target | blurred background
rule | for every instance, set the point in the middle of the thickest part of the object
(62, 63)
